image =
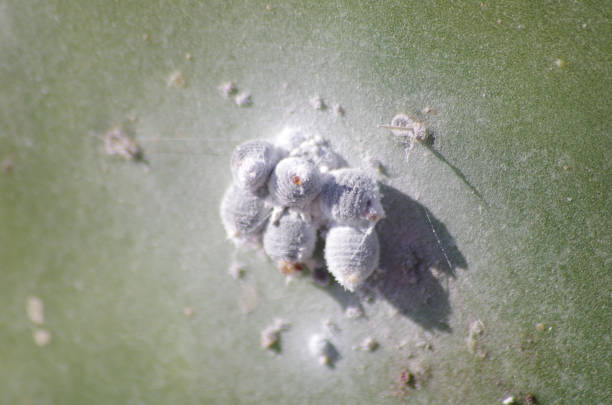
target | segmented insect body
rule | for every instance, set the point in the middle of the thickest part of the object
(244, 213)
(351, 197)
(295, 182)
(290, 240)
(406, 126)
(351, 254)
(252, 162)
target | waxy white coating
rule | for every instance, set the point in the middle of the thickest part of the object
(252, 162)
(289, 139)
(292, 239)
(243, 213)
(295, 182)
(351, 197)
(351, 254)
(321, 348)
(290, 189)
(319, 152)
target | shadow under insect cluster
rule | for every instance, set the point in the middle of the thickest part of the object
(417, 255)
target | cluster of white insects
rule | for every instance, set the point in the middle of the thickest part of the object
(289, 191)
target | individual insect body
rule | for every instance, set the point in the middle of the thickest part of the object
(351, 254)
(117, 142)
(295, 182)
(351, 197)
(243, 213)
(321, 348)
(405, 126)
(290, 240)
(252, 162)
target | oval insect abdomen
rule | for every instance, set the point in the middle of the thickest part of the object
(351, 254)
(243, 213)
(291, 239)
(252, 162)
(351, 197)
(295, 182)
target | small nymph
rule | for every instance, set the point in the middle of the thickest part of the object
(351, 254)
(351, 197)
(405, 126)
(324, 351)
(252, 162)
(119, 143)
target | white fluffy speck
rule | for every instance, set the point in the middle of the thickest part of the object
(317, 103)
(36, 310)
(243, 99)
(42, 337)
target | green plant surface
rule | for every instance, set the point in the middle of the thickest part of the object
(514, 193)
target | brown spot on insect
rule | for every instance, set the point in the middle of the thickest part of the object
(297, 180)
(290, 268)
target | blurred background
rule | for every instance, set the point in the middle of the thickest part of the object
(115, 282)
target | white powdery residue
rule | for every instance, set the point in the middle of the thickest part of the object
(277, 199)
(177, 80)
(237, 270)
(330, 327)
(322, 349)
(228, 89)
(317, 103)
(243, 99)
(369, 344)
(338, 110)
(353, 312)
(270, 336)
(118, 143)
(248, 300)
(7, 165)
(473, 340)
(36, 310)
(42, 337)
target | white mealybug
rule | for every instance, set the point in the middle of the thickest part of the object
(252, 162)
(351, 254)
(321, 348)
(289, 241)
(351, 197)
(243, 213)
(295, 182)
